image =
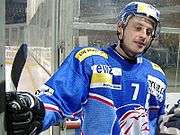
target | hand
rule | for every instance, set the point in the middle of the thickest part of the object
(170, 123)
(24, 114)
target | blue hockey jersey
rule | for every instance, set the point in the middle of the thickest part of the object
(111, 95)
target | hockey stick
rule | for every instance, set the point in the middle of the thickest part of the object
(18, 64)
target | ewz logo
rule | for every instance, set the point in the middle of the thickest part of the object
(103, 69)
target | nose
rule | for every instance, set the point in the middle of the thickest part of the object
(143, 34)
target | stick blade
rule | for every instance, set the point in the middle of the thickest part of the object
(18, 64)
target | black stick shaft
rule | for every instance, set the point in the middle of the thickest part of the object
(18, 64)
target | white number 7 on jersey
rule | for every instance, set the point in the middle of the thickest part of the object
(136, 90)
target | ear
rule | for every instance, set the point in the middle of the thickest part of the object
(120, 29)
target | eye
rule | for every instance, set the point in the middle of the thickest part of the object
(149, 32)
(138, 28)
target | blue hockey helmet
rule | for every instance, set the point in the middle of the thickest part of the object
(140, 9)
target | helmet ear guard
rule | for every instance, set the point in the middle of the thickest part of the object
(120, 27)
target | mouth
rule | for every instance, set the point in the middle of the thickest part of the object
(140, 44)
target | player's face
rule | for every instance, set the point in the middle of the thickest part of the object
(137, 35)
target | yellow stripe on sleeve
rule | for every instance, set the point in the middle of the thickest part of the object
(90, 51)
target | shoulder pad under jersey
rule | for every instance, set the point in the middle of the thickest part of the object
(157, 67)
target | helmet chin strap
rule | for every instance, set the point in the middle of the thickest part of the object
(120, 44)
(148, 46)
(120, 41)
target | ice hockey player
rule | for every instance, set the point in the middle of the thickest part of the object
(113, 90)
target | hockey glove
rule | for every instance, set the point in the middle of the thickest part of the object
(24, 114)
(170, 124)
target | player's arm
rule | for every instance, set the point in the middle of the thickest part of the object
(65, 92)
(61, 97)
(157, 100)
(155, 114)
